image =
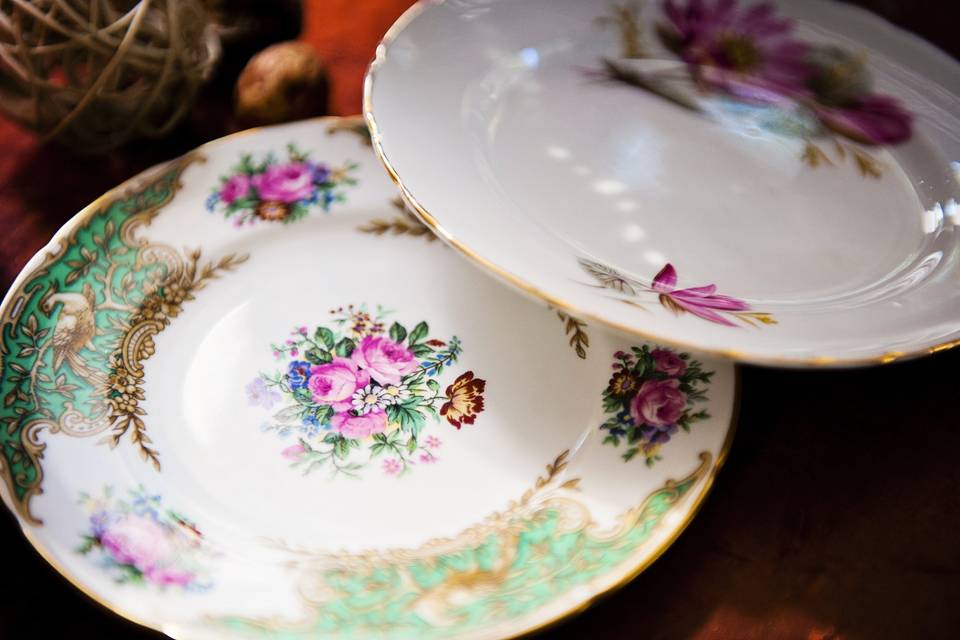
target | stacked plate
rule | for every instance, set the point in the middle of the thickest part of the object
(248, 394)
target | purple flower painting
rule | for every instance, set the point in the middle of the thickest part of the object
(752, 55)
(732, 50)
(703, 302)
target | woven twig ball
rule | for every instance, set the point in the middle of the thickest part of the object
(94, 74)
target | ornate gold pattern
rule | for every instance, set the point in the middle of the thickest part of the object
(73, 332)
(14, 303)
(162, 302)
(459, 584)
(80, 371)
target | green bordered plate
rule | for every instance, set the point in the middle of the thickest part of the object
(247, 395)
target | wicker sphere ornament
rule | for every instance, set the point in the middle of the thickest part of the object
(284, 82)
(94, 74)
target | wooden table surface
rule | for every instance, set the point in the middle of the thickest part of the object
(837, 515)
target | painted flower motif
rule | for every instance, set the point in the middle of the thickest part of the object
(752, 55)
(385, 360)
(464, 400)
(665, 386)
(658, 403)
(311, 426)
(623, 383)
(395, 393)
(298, 374)
(272, 210)
(703, 302)
(334, 383)
(236, 187)
(137, 540)
(293, 452)
(259, 395)
(871, 120)
(369, 398)
(321, 173)
(359, 322)
(659, 435)
(142, 543)
(278, 191)
(284, 183)
(392, 466)
(747, 52)
(668, 362)
(358, 390)
(358, 427)
(846, 104)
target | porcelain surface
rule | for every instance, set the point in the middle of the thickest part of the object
(774, 183)
(245, 396)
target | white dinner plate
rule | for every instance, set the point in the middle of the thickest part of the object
(771, 183)
(244, 396)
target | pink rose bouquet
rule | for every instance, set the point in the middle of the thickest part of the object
(143, 542)
(270, 190)
(361, 389)
(650, 397)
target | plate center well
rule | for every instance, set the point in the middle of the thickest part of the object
(238, 395)
(725, 194)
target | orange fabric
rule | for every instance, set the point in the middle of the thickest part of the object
(345, 34)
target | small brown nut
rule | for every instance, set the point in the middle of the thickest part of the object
(284, 82)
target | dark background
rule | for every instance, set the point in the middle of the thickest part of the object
(838, 512)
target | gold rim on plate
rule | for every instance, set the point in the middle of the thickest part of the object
(173, 630)
(528, 288)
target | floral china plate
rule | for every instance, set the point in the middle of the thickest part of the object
(245, 396)
(774, 183)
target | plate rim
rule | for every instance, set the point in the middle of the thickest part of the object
(173, 629)
(59, 236)
(530, 289)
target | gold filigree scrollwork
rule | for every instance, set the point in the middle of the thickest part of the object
(78, 326)
(162, 302)
(534, 551)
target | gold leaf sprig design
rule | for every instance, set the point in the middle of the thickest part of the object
(404, 223)
(867, 165)
(576, 329)
(554, 469)
(160, 304)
